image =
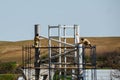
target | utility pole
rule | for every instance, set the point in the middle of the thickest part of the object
(37, 52)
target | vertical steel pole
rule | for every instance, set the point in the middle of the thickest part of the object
(49, 52)
(29, 70)
(83, 63)
(93, 56)
(37, 54)
(75, 55)
(30, 61)
(95, 64)
(76, 42)
(80, 62)
(59, 34)
(23, 56)
(24, 70)
(78, 66)
(25, 60)
(65, 59)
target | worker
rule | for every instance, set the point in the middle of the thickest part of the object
(36, 40)
(85, 42)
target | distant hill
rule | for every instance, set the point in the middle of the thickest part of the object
(11, 51)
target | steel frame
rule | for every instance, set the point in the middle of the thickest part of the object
(64, 49)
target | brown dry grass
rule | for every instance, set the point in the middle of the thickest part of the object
(11, 51)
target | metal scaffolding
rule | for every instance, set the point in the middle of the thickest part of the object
(62, 35)
(65, 60)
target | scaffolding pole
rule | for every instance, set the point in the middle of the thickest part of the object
(65, 59)
(59, 38)
(49, 52)
(37, 53)
(80, 62)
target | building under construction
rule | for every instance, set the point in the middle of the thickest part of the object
(60, 58)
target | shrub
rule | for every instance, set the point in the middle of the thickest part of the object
(7, 77)
(7, 67)
(110, 60)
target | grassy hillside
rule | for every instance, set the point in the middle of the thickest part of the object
(11, 51)
(106, 44)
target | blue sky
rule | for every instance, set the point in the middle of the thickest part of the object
(97, 18)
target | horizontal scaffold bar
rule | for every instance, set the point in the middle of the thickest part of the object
(67, 47)
(53, 26)
(55, 68)
(62, 26)
(59, 47)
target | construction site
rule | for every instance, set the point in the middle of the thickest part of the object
(58, 60)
